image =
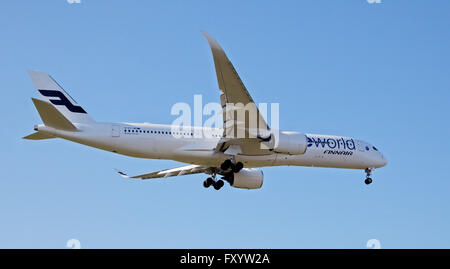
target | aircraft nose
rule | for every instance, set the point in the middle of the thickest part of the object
(383, 161)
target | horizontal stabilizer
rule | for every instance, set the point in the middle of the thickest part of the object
(52, 117)
(38, 136)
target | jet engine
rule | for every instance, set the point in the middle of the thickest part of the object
(247, 178)
(292, 143)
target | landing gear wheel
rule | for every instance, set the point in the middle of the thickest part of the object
(218, 184)
(226, 164)
(368, 173)
(237, 167)
(208, 182)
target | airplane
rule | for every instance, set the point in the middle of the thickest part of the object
(235, 159)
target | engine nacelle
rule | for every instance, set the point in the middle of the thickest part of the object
(248, 178)
(292, 143)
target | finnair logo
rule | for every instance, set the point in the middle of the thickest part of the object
(61, 101)
(331, 143)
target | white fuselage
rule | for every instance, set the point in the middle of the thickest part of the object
(155, 141)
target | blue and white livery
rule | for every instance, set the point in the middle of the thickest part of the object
(224, 157)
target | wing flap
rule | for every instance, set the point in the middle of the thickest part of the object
(179, 171)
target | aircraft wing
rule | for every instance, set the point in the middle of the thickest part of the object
(179, 171)
(245, 133)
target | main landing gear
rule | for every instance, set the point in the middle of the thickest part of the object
(229, 164)
(368, 178)
(211, 182)
(229, 167)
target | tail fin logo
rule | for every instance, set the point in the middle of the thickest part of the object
(62, 101)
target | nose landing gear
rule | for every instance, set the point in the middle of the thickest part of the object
(368, 179)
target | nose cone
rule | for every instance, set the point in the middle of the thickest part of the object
(382, 161)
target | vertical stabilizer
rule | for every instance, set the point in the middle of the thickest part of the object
(53, 93)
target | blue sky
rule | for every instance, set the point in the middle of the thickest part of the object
(378, 72)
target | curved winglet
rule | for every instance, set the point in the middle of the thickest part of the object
(122, 174)
(233, 91)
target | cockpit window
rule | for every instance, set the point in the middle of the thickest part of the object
(375, 148)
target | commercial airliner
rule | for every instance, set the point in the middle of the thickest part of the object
(233, 153)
